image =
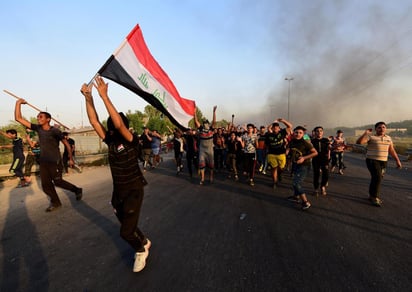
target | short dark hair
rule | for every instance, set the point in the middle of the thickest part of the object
(110, 125)
(318, 127)
(250, 125)
(11, 131)
(379, 123)
(299, 128)
(275, 125)
(46, 114)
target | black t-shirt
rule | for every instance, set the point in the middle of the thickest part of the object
(49, 143)
(146, 143)
(124, 162)
(276, 142)
(18, 148)
(322, 146)
(71, 143)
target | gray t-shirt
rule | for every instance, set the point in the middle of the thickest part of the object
(49, 143)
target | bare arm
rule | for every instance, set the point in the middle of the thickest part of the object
(287, 124)
(197, 124)
(102, 87)
(30, 141)
(214, 116)
(312, 154)
(394, 155)
(68, 148)
(6, 135)
(17, 113)
(91, 112)
(364, 138)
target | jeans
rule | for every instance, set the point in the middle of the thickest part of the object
(376, 169)
(337, 160)
(299, 174)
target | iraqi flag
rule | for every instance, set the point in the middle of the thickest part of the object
(133, 66)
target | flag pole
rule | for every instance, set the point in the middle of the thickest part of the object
(32, 106)
(91, 81)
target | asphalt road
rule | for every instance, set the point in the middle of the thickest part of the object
(225, 236)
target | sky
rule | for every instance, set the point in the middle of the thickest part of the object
(347, 61)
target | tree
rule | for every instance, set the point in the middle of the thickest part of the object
(136, 120)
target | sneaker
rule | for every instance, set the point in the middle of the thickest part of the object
(306, 205)
(79, 194)
(323, 191)
(375, 201)
(236, 177)
(251, 182)
(294, 199)
(202, 182)
(341, 172)
(263, 172)
(140, 261)
(147, 245)
(52, 208)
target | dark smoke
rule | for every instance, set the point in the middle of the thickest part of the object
(349, 61)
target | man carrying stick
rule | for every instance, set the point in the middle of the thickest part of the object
(51, 165)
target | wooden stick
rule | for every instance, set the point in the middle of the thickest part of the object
(37, 109)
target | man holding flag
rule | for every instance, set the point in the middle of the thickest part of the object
(128, 180)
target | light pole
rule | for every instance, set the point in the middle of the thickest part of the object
(289, 79)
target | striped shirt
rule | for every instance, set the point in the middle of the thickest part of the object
(378, 147)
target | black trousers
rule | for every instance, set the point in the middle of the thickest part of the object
(127, 205)
(317, 166)
(376, 169)
(51, 176)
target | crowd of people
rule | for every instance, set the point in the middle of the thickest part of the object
(235, 151)
(276, 149)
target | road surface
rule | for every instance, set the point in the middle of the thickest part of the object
(225, 236)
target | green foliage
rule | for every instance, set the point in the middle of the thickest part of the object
(136, 120)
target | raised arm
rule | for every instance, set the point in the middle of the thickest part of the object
(91, 112)
(102, 87)
(6, 135)
(17, 113)
(364, 138)
(197, 124)
(214, 116)
(287, 124)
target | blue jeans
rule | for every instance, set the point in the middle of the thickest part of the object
(299, 174)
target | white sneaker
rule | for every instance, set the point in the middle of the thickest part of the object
(140, 261)
(147, 245)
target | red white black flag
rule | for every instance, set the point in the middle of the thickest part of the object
(133, 66)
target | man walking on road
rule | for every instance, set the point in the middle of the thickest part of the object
(51, 166)
(378, 148)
